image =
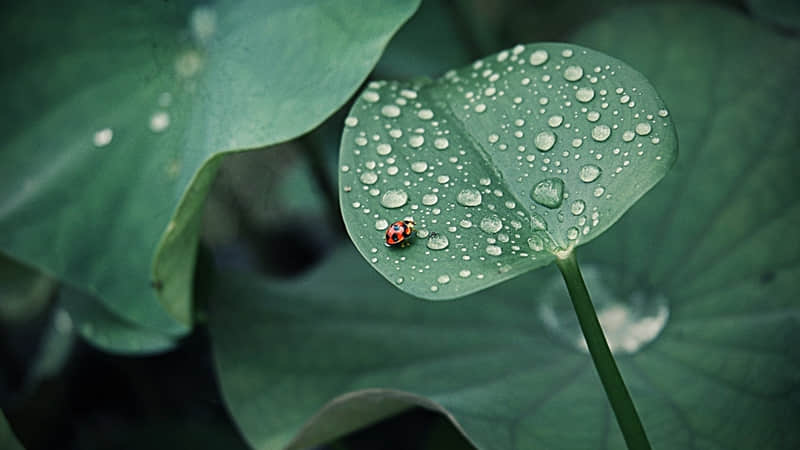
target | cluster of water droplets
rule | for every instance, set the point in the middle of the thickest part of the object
(202, 26)
(557, 135)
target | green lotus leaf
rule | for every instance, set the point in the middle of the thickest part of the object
(502, 164)
(116, 118)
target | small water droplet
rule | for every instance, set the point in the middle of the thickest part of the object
(383, 149)
(538, 57)
(351, 121)
(628, 136)
(584, 94)
(425, 114)
(599, 191)
(370, 96)
(443, 179)
(416, 141)
(589, 173)
(159, 121)
(549, 192)
(573, 233)
(441, 143)
(545, 140)
(103, 137)
(443, 279)
(555, 121)
(469, 197)
(573, 73)
(419, 166)
(663, 113)
(381, 224)
(390, 110)
(491, 224)
(464, 273)
(437, 241)
(494, 250)
(536, 243)
(480, 107)
(429, 199)
(577, 207)
(485, 181)
(369, 177)
(538, 223)
(394, 198)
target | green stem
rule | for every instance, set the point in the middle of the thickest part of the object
(617, 393)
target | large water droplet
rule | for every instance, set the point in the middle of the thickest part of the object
(491, 224)
(437, 241)
(643, 128)
(555, 121)
(469, 197)
(545, 140)
(549, 192)
(584, 94)
(629, 321)
(394, 198)
(589, 173)
(573, 73)
(601, 132)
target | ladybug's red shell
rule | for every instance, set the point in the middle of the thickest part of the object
(398, 232)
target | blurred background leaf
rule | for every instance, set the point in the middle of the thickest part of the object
(7, 439)
(24, 291)
(115, 114)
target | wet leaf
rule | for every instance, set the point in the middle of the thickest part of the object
(696, 287)
(116, 117)
(501, 164)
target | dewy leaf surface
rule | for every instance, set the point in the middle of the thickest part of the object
(501, 164)
(704, 319)
(115, 115)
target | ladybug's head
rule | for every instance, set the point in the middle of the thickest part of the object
(410, 224)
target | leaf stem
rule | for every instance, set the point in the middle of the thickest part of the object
(617, 393)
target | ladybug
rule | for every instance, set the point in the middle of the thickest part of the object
(398, 233)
